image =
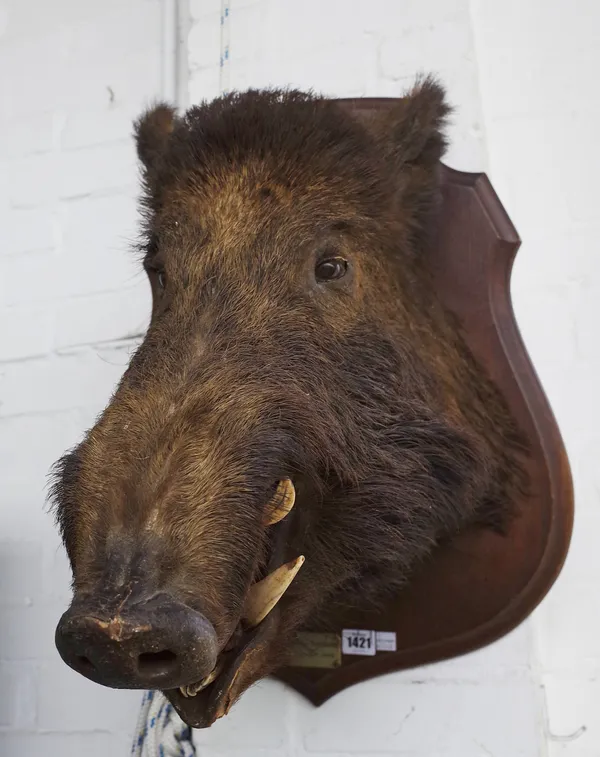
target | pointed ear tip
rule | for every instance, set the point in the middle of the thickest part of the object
(158, 118)
(431, 89)
(152, 129)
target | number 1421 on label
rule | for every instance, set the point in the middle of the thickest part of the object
(367, 643)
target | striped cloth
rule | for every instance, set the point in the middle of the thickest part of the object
(160, 731)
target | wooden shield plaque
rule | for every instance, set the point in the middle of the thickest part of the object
(482, 585)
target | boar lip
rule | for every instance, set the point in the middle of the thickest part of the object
(258, 606)
(212, 702)
(203, 709)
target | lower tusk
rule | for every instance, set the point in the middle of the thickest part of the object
(196, 688)
(265, 594)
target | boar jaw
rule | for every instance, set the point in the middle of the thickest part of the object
(264, 594)
(261, 599)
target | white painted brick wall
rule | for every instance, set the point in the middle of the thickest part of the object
(73, 74)
(537, 62)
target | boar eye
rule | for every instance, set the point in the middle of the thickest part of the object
(331, 269)
(162, 279)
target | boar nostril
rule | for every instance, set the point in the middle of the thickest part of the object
(157, 662)
(85, 663)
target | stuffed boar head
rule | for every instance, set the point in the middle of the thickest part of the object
(301, 414)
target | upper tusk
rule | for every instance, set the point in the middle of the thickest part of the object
(265, 594)
(281, 503)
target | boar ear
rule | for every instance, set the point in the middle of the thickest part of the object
(152, 131)
(414, 139)
(416, 125)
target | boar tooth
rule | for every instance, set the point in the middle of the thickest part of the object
(281, 503)
(265, 594)
(196, 688)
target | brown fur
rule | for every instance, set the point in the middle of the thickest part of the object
(361, 390)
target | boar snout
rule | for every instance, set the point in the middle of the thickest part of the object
(160, 643)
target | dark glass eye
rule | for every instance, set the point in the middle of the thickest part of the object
(162, 279)
(331, 269)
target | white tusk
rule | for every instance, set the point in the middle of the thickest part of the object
(265, 594)
(281, 503)
(195, 688)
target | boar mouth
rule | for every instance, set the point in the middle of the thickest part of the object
(202, 703)
(215, 698)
